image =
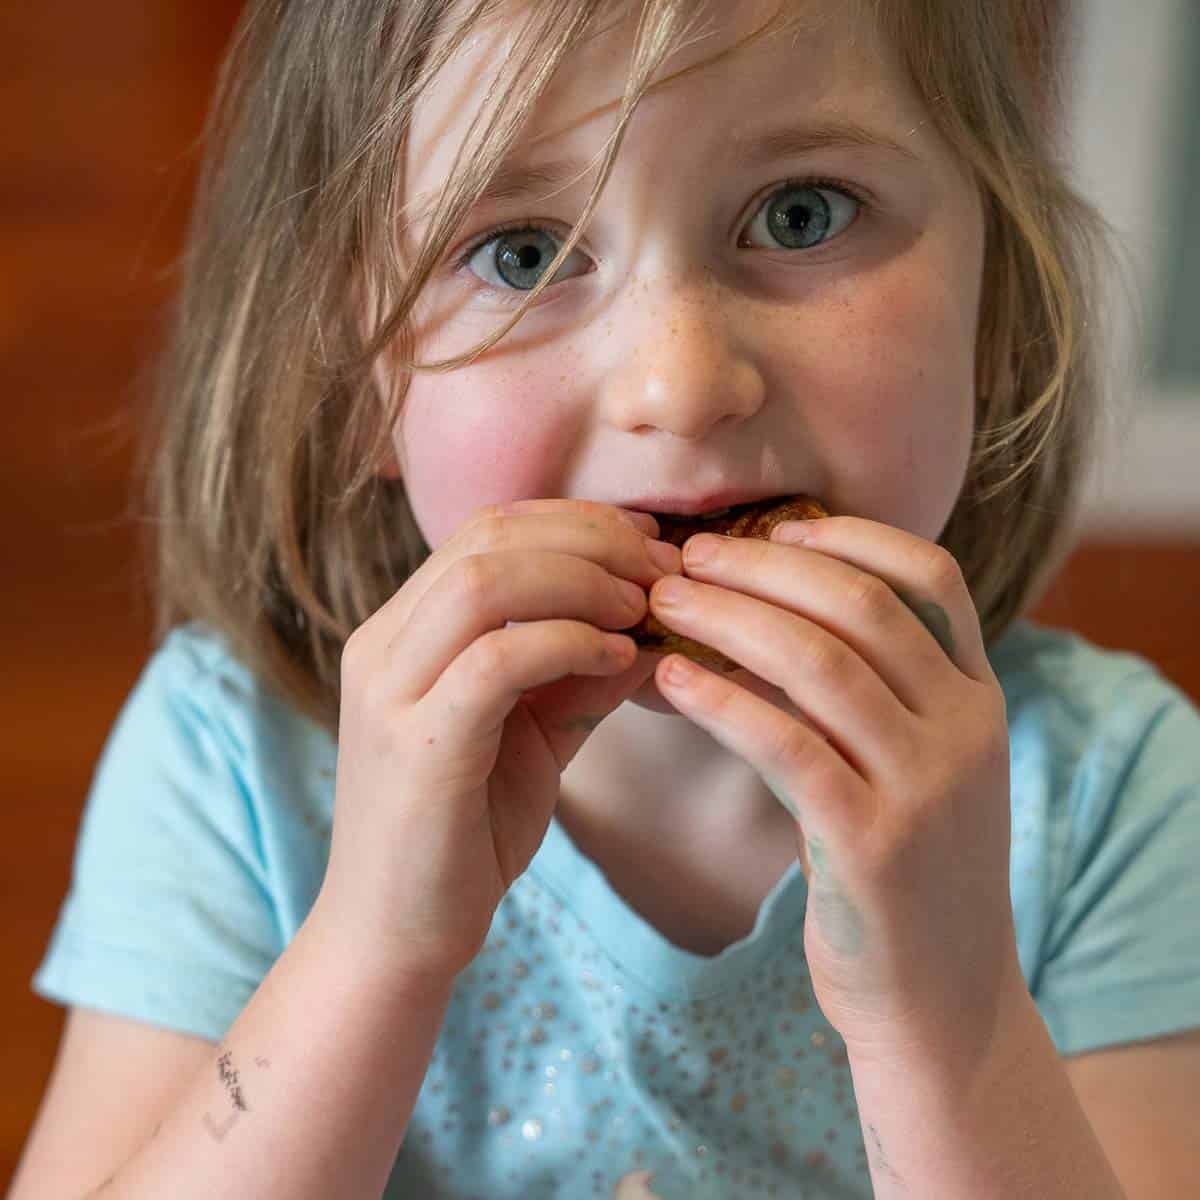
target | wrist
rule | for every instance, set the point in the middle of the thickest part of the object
(376, 959)
(1003, 1121)
(952, 1051)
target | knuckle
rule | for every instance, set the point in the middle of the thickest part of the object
(491, 656)
(493, 530)
(871, 598)
(474, 579)
(795, 745)
(354, 658)
(941, 568)
(485, 513)
(824, 659)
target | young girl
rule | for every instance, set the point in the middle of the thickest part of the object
(404, 872)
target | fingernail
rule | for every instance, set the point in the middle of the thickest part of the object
(643, 522)
(671, 591)
(665, 556)
(701, 549)
(632, 596)
(790, 531)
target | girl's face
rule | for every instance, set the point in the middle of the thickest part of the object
(758, 301)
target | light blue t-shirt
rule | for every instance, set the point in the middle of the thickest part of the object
(583, 1054)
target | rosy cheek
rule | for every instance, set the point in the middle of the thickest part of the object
(468, 446)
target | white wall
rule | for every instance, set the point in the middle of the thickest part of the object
(1126, 61)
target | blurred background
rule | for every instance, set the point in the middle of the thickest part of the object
(101, 109)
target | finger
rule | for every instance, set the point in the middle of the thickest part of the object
(823, 793)
(926, 577)
(606, 540)
(825, 678)
(568, 710)
(481, 686)
(482, 593)
(642, 521)
(855, 606)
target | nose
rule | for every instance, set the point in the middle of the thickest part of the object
(682, 360)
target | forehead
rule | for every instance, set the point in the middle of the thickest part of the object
(829, 62)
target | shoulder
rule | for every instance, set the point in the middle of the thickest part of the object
(1105, 756)
(195, 676)
(1070, 701)
(1101, 743)
(195, 662)
(198, 716)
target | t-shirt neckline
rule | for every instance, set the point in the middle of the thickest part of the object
(633, 944)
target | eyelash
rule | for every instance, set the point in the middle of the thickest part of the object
(817, 182)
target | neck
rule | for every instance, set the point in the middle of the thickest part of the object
(645, 775)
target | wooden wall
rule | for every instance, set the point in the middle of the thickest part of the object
(100, 106)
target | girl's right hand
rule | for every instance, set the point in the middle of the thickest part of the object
(463, 700)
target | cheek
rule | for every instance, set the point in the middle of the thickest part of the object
(469, 439)
(906, 392)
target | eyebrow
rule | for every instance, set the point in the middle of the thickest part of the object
(518, 181)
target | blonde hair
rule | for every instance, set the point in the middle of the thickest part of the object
(271, 522)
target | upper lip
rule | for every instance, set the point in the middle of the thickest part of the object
(695, 505)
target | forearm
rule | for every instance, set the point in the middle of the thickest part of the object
(308, 1095)
(1010, 1128)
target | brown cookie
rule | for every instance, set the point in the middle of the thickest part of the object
(745, 520)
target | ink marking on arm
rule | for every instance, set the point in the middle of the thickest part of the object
(229, 1077)
(877, 1156)
(218, 1132)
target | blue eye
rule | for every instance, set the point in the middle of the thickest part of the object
(516, 257)
(799, 216)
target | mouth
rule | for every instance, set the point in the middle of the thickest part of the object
(700, 516)
(702, 508)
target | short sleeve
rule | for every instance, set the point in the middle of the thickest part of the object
(1122, 956)
(168, 918)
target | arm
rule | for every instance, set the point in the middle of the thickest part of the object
(1007, 1126)
(309, 1094)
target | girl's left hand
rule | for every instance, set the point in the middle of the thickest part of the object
(894, 765)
